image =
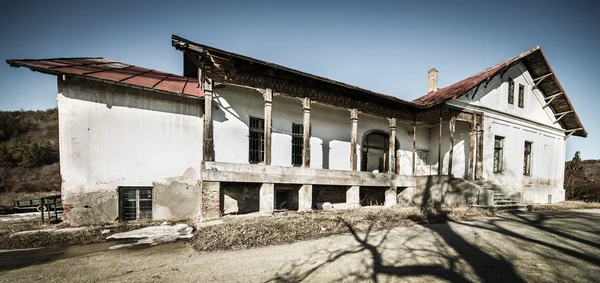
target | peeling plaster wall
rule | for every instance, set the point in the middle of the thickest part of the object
(330, 133)
(113, 136)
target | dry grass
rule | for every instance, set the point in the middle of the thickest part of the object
(292, 227)
(565, 205)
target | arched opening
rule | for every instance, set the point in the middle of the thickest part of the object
(374, 151)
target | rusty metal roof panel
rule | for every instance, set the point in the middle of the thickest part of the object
(113, 72)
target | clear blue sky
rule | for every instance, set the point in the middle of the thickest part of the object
(382, 46)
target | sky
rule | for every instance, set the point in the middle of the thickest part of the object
(385, 46)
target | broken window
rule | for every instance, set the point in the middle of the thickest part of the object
(135, 203)
(297, 143)
(521, 95)
(256, 140)
(511, 91)
(498, 154)
(527, 159)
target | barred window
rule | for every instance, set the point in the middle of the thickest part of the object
(511, 91)
(527, 159)
(521, 95)
(135, 203)
(498, 154)
(256, 140)
(297, 143)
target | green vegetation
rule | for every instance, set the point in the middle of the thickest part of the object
(28, 153)
(582, 179)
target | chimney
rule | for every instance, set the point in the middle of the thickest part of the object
(432, 77)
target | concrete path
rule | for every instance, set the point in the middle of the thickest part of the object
(530, 247)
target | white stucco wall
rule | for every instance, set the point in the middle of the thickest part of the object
(532, 123)
(113, 136)
(330, 133)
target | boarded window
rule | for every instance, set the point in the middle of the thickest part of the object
(511, 91)
(498, 154)
(521, 95)
(297, 143)
(527, 159)
(135, 203)
(256, 140)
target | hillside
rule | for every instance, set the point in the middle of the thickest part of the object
(582, 179)
(28, 154)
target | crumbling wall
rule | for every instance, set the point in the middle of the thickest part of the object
(177, 198)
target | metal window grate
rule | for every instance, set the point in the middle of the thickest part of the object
(257, 140)
(521, 95)
(527, 159)
(511, 91)
(135, 203)
(498, 154)
(297, 143)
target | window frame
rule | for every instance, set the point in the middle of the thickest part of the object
(256, 140)
(511, 91)
(521, 96)
(498, 154)
(141, 212)
(527, 158)
(297, 143)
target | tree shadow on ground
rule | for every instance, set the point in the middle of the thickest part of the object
(515, 248)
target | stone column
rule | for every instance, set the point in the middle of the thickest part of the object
(392, 146)
(268, 96)
(306, 134)
(353, 197)
(391, 195)
(450, 157)
(267, 198)
(305, 198)
(207, 146)
(353, 138)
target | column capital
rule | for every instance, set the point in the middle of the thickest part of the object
(268, 95)
(353, 114)
(392, 123)
(306, 102)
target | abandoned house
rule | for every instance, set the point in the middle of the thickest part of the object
(237, 135)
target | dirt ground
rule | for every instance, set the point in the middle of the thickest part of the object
(555, 246)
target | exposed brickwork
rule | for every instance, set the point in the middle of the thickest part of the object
(211, 200)
(332, 194)
(372, 196)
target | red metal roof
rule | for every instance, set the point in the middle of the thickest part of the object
(459, 88)
(114, 72)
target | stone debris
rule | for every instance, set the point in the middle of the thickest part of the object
(153, 235)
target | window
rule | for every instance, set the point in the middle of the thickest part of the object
(527, 159)
(297, 143)
(135, 203)
(422, 154)
(256, 140)
(498, 154)
(511, 91)
(521, 95)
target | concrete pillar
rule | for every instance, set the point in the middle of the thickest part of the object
(267, 198)
(268, 95)
(211, 200)
(207, 146)
(451, 154)
(353, 197)
(392, 147)
(391, 195)
(306, 134)
(353, 139)
(305, 198)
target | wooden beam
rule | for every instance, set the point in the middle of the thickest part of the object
(207, 145)
(392, 146)
(268, 96)
(306, 134)
(563, 113)
(472, 149)
(551, 97)
(479, 157)
(353, 139)
(537, 81)
(440, 158)
(450, 157)
(414, 152)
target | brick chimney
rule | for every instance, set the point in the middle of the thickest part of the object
(432, 78)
